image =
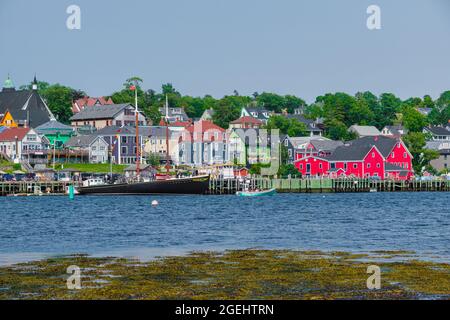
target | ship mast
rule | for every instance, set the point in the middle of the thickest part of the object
(167, 136)
(138, 160)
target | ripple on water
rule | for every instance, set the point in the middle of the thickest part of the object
(349, 222)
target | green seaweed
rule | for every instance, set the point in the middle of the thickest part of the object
(234, 274)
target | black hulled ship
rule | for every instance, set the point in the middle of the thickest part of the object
(193, 185)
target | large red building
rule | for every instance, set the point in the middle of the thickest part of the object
(380, 156)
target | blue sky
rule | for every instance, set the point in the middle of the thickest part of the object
(305, 48)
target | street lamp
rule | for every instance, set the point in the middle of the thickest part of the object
(54, 149)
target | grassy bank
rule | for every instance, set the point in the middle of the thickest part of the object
(92, 168)
(247, 274)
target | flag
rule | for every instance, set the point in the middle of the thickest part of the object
(132, 87)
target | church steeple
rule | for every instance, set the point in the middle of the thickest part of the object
(8, 85)
(35, 83)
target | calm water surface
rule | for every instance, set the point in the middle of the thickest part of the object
(36, 227)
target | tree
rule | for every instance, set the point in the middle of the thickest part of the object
(271, 101)
(390, 106)
(291, 127)
(59, 99)
(292, 102)
(440, 115)
(229, 109)
(288, 169)
(413, 120)
(336, 130)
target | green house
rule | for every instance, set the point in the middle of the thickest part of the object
(246, 146)
(57, 132)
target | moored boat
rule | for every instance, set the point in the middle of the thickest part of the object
(256, 193)
(193, 185)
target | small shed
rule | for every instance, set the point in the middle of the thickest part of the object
(46, 174)
(145, 170)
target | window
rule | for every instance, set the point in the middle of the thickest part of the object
(368, 165)
(320, 166)
(94, 148)
(333, 165)
(286, 142)
(102, 148)
(301, 166)
(290, 153)
(124, 139)
(355, 166)
(405, 155)
(124, 150)
(378, 165)
(393, 155)
(373, 154)
(118, 123)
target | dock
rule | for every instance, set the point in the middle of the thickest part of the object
(231, 186)
(33, 188)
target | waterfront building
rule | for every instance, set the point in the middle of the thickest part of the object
(86, 102)
(7, 120)
(257, 113)
(23, 145)
(249, 146)
(207, 115)
(314, 127)
(380, 156)
(437, 133)
(443, 148)
(56, 133)
(364, 131)
(155, 143)
(321, 147)
(26, 107)
(246, 122)
(203, 143)
(174, 114)
(92, 148)
(103, 116)
(122, 142)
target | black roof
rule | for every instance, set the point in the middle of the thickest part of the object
(310, 124)
(349, 153)
(358, 149)
(384, 144)
(100, 112)
(440, 131)
(25, 105)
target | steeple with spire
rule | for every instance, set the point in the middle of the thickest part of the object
(34, 86)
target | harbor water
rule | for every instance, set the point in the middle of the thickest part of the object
(129, 226)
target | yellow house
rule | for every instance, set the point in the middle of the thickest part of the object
(8, 121)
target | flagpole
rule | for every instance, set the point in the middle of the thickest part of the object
(137, 134)
(167, 136)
